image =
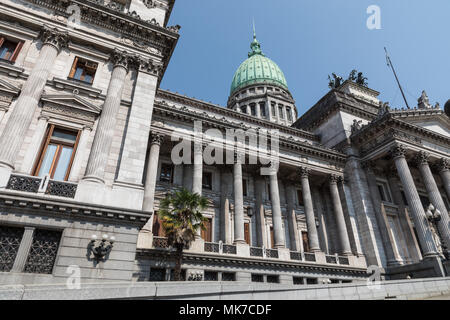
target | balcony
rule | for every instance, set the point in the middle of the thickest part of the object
(44, 185)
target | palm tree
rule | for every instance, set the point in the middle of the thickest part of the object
(181, 217)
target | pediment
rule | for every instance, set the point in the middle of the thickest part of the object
(7, 87)
(71, 101)
(434, 120)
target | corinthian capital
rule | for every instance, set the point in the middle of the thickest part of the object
(53, 36)
(421, 158)
(303, 172)
(398, 151)
(122, 59)
(334, 179)
(157, 138)
(443, 165)
(149, 66)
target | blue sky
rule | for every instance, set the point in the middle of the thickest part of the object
(310, 39)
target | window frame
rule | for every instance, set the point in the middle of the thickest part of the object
(210, 186)
(44, 146)
(165, 164)
(73, 69)
(17, 49)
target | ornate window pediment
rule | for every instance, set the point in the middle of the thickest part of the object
(8, 92)
(70, 107)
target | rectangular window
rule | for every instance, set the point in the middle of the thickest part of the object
(311, 281)
(247, 233)
(207, 180)
(257, 277)
(280, 112)
(207, 233)
(57, 153)
(300, 197)
(157, 274)
(10, 238)
(262, 107)
(244, 187)
(211, 276)
(42, 254)
(253, 109)
(273, 279)
(384, 192)
(274, 113)
(305, 240)
(244, 109)
(9, 50)
(288, 113)
(228, 276)
(405, 202)
(298, 280)
(272, 238)
(83, 70)
(166, 173)
(157, 229)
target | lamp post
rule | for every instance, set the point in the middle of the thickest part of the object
(434, 216)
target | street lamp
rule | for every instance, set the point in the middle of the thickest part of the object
(434, 216)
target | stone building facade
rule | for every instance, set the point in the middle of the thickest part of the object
(87, 139)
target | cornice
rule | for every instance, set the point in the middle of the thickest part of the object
(66, 209)
(164, 94)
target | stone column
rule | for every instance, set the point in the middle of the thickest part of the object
(292, 217)
(319, 205)
(225, 195)
(309, 211)
(261, 232)
(405, 222)
(101, 146)
(238, 201)
(81, 153)
(414, 203)
(150, 178)
(392, 254)
(434, 195)
(278, 233)
(197, 175)
(339, 214)
(22, 114)
(444, 172)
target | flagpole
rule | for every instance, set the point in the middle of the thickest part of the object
(389, 62)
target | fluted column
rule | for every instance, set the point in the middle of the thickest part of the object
(414, 203)
(309, 211)
(225, 195)
(278, 232)
(101, 146)
(197, 175)
(292, 217)
(339, 215)
(151, 176)
(238, 201)
(261, 234)
(434, 195)
(22, 114)
(444, 172)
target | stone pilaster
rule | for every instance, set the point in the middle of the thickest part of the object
(261, 234)
(444, 172)
(339, 214)
(225, 195)
(151, 177)
(313, 235)
(197, 173)
(101, 146)
(319, 205)
(21, 116)
(24, 249)
(238, 201)
(414, 203)
(434, 195)
(292, 217)
(278, 233)
(392, 254)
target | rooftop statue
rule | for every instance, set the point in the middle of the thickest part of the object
(423, 101)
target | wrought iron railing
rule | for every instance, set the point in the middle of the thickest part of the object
(331, 259)
(160, 242)
(36, 184)
(10, 238)
(343, 260)
(24, 183)
(229, 249)
(212, 247)
(61, 189)
(310, 257)
(256, 252)
(296, 256)
(272, 253)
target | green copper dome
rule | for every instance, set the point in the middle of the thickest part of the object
(257, 69)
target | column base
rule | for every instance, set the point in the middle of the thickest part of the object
(93, 179)
(394, 263)
(242, 249)
(5, 173)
